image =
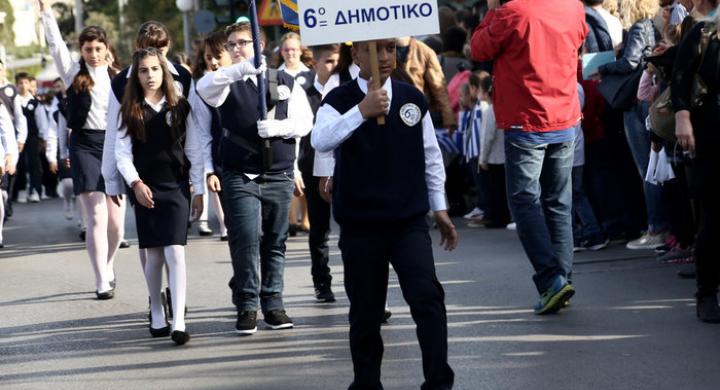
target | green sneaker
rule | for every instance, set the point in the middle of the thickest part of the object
(552, 300)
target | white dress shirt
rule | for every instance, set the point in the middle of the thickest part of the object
(324, 163)
(8, 144)
(193, 151)
(113, 181)
(56, 138)
(19, 121)
(69, 68)
(332, 129)
(214, 89)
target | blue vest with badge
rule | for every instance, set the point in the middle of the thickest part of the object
(380, 170)
(29, 112)
(8, 93)
(241, 146)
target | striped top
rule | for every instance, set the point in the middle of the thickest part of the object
(471, 125)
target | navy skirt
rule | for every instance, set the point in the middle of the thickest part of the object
(86, 149)
(166, 224)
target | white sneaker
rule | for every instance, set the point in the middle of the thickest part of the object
(476, 213)
(511, 226)
(647, 241)
(69, 215)
(33, 198)
(22, 196)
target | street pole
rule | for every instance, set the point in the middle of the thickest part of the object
(78, 16)
(186, 33)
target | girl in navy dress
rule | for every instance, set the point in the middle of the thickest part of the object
(158, 151)
(89, 89)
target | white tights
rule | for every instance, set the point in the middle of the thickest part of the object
(3, 199)
(105, 228)
(174, 257)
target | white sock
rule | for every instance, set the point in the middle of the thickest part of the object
(154, 260)
(96, 239)
(175, 260)
(2, 214)
(115, 232)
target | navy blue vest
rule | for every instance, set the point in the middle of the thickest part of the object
(380, 170)
(29, 112)
(8, 93)
(239, 116)
(306, 158)
(161, 157)
(79, 105)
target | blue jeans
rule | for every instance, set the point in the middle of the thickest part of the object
(639, 141)
(586, 225)
(539, 191)
(256, 216)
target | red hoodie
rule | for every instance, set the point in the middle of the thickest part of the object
(535, 48)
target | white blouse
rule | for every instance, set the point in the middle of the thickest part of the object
(69, 68)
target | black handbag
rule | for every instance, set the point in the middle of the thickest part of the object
(620, 91)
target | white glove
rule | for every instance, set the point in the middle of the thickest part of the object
(248, 68)
(270, 128)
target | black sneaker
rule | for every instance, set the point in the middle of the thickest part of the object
(323, 293)
(277, 319)
(246, 323)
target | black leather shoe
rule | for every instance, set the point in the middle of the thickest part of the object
(180, 337)
(110, 294)
(386, 315)
(162, 332)
(124, 244)
(708, 310)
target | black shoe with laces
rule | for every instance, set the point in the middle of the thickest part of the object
(708, 309)
(246, 323)
(323, 292)
(278, 319)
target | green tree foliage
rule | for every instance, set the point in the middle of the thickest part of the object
(7, 35)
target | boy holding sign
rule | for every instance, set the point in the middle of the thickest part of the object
(386, 179)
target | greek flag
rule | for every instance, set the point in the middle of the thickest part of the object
(471, 141)
(289, 9)
(450, 145)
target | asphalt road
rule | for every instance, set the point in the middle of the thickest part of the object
(631, 324)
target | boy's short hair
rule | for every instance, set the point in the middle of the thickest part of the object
(244, 27)
(317, 50)
(23, 76)
(152, 34)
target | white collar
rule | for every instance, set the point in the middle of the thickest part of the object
(170, 66)
(319, 87)
(156, 107)
(363, 84)
(294, 73)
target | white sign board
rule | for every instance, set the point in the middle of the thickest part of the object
(333, 21)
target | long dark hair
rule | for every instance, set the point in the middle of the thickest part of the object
(83, 83)
(131, 109)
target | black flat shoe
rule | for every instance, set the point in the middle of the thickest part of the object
(124, 244)
(708, 310)
(180, 337)
(162, 332)
(110, 294)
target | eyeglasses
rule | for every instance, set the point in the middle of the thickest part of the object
(230, 45)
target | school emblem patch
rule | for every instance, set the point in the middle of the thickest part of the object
(30, 106)
(410, 114)
(168, 118)
(301, 80)
(283, 92)
(9, 92)
(179, 87)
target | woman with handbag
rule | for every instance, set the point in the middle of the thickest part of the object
(625, 74)
(696, 102)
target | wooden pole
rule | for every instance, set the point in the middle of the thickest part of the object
(375, 68)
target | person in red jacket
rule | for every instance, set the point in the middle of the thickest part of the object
(535, 50)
